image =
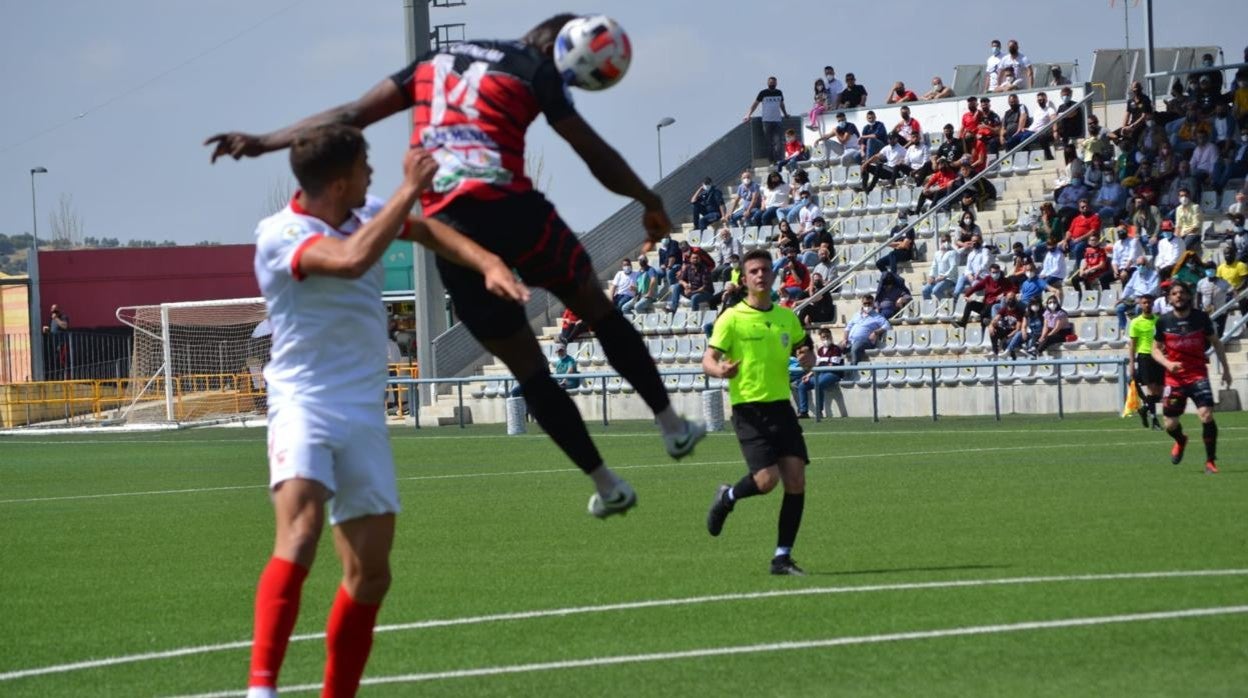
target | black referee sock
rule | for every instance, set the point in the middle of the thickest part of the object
(745, 487)
(629, 356)
(790, 519)
(1150, 404)
(1209, 432)
(557, 414)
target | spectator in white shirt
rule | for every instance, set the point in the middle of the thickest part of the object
(622, 286)
(834, 86)
(1007, 81)
(944, 267)
(1204, 160)
(1126, 250)
(807, 214)
(726, 247)
(1053, 268)
(1021, 65)
(884, 164)
(1169, 249)
(993, 65)
(977, 261)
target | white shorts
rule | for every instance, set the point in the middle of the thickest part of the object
(347, 449)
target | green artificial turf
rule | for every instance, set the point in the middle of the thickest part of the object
(495, 525)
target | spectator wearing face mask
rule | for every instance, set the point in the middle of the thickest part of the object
(1139, 111)
(853, 96)
(1169, 249)
(892, 295)
(886, 164)
(901, 250)
(1071, 170)
(899, 93)
(1053, 269)
(978, 259)
(794, 152)
(970, 119)
(747, 204)
(1204, 163)
(801, 194)
(1070, 127)
(821, 309)
(1111, 199)
(693, 282)
(1239, 238)
(873, 137)
(817, 236)
(1007, 322)
(843, 144)
(1030, 329)
(671, 257)
(992, 67)
(1212, 292)
(938, 185)
(623, 285)
(1126, 250)
(833, 85)
(939, 90)
(1015, 60)
(1094, 271)
(941, 280)
(1187, 220)
(1056, 328)
(1032, 286)
(995, 286)
(807, 216)
(1082, 226)
(864, 330)
(726, 247)
(708, 204)
(646, 284)
(1144, 281)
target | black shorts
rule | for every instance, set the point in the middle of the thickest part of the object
(1147, 370)
(526, 232)
(767, 431)
(1174, 399)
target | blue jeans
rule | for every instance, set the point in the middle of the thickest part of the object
(940, 289)
(703, 217)
(858, 350)
(961, 285)
(639, 304)
(768, 215)
(738, 216)
(1015, 342)
(695, 300)
(1122, 310)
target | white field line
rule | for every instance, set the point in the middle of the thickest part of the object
(635, 605)
(669, 464)
(35, 440)
(770, 647)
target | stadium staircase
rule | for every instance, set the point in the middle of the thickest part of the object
(922, 331)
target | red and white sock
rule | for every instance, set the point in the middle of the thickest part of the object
(349, 638)
(277, 608)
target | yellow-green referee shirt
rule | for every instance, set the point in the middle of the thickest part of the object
(761, 340)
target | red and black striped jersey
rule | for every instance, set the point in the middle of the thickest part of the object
(472, 104)
(1184, 340)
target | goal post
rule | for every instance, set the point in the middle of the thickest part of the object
(195, 362)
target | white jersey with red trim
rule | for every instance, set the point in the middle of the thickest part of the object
(329, 333)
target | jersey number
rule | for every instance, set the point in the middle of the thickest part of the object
(463, 96)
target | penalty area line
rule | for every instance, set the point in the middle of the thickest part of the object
(939, 633)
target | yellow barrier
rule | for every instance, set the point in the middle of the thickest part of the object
(194, 396)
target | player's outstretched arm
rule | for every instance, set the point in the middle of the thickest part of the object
(614, 173)
(457, 248)
(353, 257)
(383, 100)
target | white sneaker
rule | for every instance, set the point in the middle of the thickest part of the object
(621, 499)
(681, 445)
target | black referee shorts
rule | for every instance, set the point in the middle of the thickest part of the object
(528, 234)
(767, 431)
(1147, 370)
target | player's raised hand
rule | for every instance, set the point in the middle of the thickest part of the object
(500, 281)
(419, 167)
(236, 145)
(657, 224)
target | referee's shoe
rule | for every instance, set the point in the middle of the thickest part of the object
(784, 565)
(718, 513)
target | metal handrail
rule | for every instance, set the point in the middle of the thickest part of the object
(840, 279)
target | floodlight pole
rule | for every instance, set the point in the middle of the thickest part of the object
(1148, 46)
(32, 272)
(426, 284)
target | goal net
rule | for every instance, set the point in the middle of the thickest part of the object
(196, 362)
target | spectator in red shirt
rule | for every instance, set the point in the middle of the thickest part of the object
(938, 185)
(1095, 269)
(970, 120)
(1084, 224)
(994, 286)
(899, 93)
(908, 128)
(571, 327)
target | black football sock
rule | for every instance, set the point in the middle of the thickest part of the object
(1209, 432)
(790, 519)
(1176, 433)
(745, 487)
(557, 414)
(1150, 404)
(630, 357)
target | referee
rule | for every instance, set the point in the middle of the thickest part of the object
(750, 345)
(1147, 373)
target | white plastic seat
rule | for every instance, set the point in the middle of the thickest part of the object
(685, 384)
(904, 341)
(1090, 372)
(895, 376)
(585, 354)
(875, 201)
(615, 384)
(938, 341)
(1109, 373)
(974, 338)
(1088, 334)
(889, 346)
(1088, 301)
(671, 383)
(859, 205)
(956, 343)
(599, 356)
(1022, 162)
(966, 375)
(922, 343)
(984, 374)
(668, 353)
(889, 199)
(653, 323)
(949, 308)
(1108, 301)
(1070, 303)
(676, 323)
(684, 349)
(749, 237)
(1070, 372)
(1110, 335)
(1209, 201)
(477, 389)
(837, 176)
(1025, 373)
(928, 308)
(853, 178)
(1046, 373)
(917, 376)
(850, 229)
(949, 375)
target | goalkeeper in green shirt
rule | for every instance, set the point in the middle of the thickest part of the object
(750, 346)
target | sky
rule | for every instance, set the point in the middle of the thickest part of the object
(115, 99)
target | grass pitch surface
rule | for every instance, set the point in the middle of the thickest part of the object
(929, 547)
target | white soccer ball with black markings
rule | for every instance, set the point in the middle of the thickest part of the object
(592, 53)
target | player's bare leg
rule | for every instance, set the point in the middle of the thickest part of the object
(1175, 429)
(627, 353)
(363, 547)
(299, 506)
(558, 416)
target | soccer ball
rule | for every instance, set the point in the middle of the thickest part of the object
(592, 53)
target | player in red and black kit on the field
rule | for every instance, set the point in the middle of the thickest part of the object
(471, 105)
(1182, 337)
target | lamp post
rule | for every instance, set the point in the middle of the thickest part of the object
(32, 271)
(658, 134)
